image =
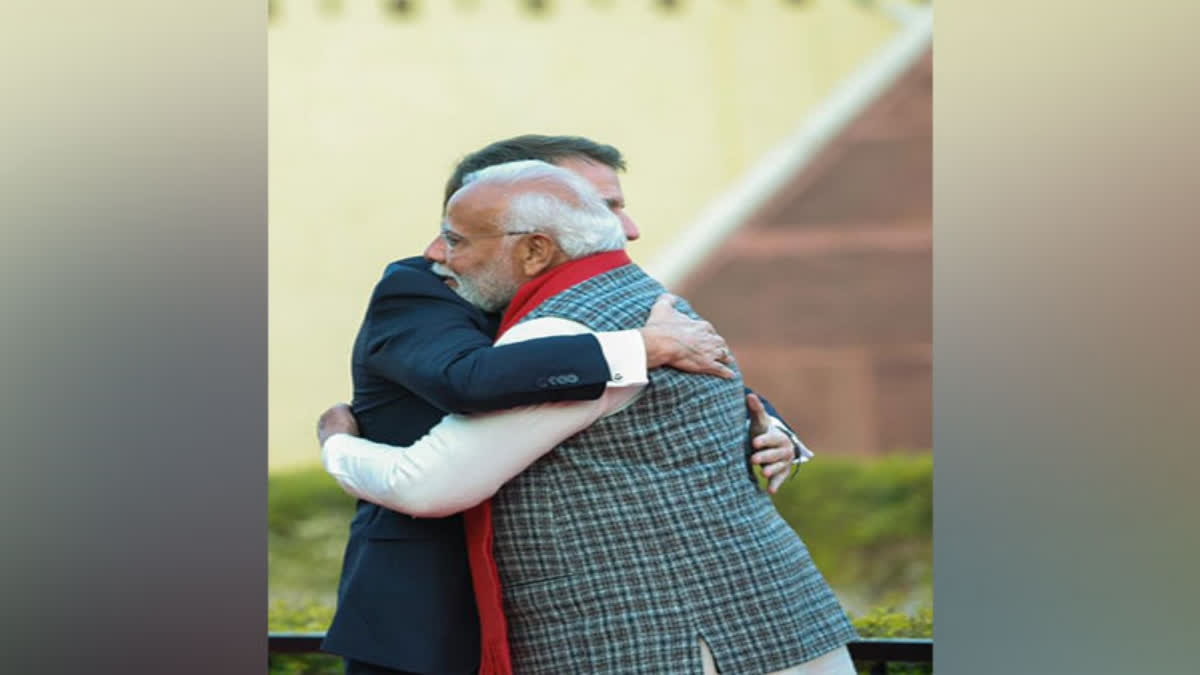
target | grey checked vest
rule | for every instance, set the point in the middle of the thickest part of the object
(641, 534)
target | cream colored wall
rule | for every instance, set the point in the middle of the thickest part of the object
(369, 113)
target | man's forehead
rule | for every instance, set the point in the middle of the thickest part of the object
(474, 206)
(467, 223)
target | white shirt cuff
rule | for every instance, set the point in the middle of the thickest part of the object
(625, 352)
(803, 454)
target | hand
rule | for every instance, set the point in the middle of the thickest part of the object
(336, 420)
(681, 342)
(775, 450)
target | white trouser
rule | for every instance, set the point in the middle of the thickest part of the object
(836, 662)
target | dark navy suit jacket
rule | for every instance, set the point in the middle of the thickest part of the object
(405, 599)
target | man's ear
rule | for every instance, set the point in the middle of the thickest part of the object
(538, 254)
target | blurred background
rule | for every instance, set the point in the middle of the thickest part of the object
(779, 165)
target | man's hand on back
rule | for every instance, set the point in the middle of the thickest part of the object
(337, 419)
(681, 342)
(775, 451)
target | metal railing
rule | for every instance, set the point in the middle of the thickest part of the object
(877, 652)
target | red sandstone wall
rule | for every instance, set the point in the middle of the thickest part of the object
(839, 335)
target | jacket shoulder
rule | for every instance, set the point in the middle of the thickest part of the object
(409, 288)
(411, 276)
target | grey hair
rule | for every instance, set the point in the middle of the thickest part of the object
(580, 229)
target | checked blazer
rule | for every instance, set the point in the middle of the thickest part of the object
(639, 535)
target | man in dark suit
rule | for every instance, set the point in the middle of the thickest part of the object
(405, 601)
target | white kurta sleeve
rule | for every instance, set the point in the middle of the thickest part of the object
(465, 459)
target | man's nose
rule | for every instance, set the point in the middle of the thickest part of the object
(436, 251)
(630, 228)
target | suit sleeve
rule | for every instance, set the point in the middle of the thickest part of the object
(418, 335)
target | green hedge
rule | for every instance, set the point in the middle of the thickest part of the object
(868, 524)
(886, 623)
(298, 495)
(301, 617)
(883, 622)
(304, 664)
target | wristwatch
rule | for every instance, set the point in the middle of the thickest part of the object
(803, 454)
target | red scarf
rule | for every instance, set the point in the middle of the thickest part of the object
(495, 658)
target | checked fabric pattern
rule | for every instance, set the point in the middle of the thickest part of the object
(622, 546)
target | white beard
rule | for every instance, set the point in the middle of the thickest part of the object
(490, 290)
